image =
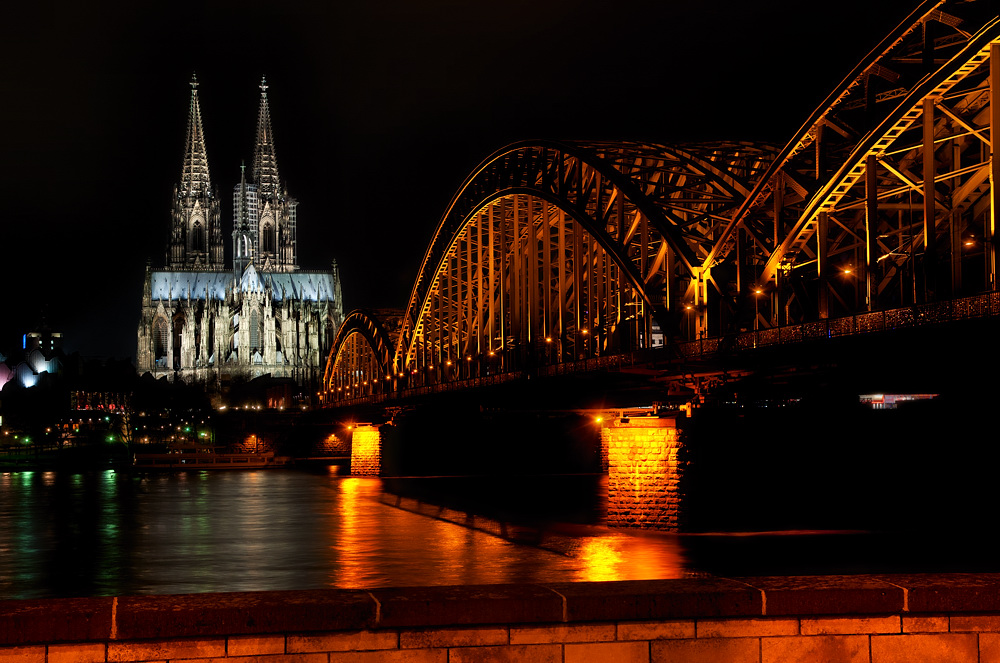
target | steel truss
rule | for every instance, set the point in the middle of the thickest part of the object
(359, 360)
(553, 252)
(884, 197)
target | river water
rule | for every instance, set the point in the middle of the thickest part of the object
(104, 533)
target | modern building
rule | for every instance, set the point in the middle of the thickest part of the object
(204, 322)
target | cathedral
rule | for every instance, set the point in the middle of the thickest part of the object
(207, 323)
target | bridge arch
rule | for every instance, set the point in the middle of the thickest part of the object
(360, 359)
(551, 251)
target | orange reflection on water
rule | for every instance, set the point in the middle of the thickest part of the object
(348, 546)
(616, 556)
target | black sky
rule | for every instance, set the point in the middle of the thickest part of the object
(380, 109)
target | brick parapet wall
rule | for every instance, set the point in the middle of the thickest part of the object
(949, 617)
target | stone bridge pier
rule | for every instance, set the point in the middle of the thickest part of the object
(640, 454)
(644, 472)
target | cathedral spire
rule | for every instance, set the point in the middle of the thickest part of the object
(242, 234)
(194, 175)
(265, 165)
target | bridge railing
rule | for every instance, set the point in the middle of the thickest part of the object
(978, 306)
(966, 308)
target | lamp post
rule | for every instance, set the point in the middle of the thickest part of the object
(756, 308)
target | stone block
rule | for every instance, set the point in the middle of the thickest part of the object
(392, 656)
(745, 628)
(77, 653)
(708, 650)
(120, 652)
(22, 654)
(322, 657)
(471, 604)
(989, 648)
(454, 637)
(607, 652)
(356, 641)
(633, 600)
(812, 649)
(980, 623)
(48, 621)
(243, 613)
(828, 595)
(925, 624)
(926, 648)
(849, 625)
(656, 630)
(950, 592)
(562, 633)
(252, 646)
(506, 654)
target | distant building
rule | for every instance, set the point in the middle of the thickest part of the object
(205, 323)
(42, 354)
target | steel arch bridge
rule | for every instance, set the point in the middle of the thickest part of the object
(557, 251)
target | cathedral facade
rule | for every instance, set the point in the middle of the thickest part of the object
(206, 322)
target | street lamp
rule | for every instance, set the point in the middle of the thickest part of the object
(756, 308)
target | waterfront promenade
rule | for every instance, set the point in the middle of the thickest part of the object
(878, 619)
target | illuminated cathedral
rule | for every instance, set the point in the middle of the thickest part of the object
(206, 322)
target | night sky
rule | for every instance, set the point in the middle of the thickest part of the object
(380, 110)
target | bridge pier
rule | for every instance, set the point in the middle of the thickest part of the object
(366, 451)
(643, 472)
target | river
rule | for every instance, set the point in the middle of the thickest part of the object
(104, 533)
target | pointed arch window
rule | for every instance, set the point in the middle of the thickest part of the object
(160, 338)
(268, 238)
(197, 236)
(255, 331)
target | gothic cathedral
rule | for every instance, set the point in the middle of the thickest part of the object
(205, 323)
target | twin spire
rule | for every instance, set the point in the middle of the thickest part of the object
(195, 177)
(265, 164)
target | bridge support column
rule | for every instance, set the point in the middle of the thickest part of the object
(366, 451)
(644, 473)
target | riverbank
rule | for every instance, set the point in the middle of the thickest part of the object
(929, 617)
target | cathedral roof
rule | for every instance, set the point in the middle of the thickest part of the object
(194, 174)
(251, 281)
(307, 286)
(198, 285)
(189, 284)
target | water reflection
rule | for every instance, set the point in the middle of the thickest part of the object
(103, 533)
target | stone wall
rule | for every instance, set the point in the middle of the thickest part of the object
(366, 451)
(643, 473)
(860, 619)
